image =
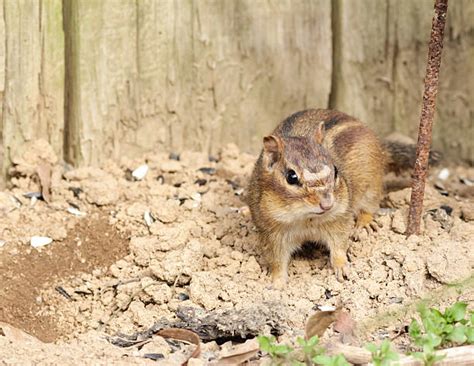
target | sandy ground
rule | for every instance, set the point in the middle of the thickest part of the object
(127, 253)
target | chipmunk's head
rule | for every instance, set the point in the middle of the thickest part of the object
(301, 178)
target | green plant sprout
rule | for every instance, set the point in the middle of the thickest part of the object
(382, 355)
(438, 329)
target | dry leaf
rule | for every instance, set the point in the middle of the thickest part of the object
(44, 174)
(238, 354)
(345, 325)
(183, 335)
(319, 322)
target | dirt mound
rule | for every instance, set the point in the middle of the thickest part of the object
(131, 247)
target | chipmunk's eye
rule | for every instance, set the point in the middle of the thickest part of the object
(291, 177)
(336, 172)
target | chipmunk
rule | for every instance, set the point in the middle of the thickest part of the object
(318, 171)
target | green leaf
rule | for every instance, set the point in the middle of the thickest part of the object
(392, 356)
(458, 335)
(470, 334)
(385, 346)
(372, 348)
(282, 349)
(419, 355)
(313, 341)
(432, 340)
(338, 360)
(265, 343)
(414, 330)
(322, 360)
(457, 311)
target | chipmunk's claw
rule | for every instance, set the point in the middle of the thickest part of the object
(340, 265)
(364, 222)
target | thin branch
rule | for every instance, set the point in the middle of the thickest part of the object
(427, 114)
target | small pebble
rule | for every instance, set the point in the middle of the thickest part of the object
(2, 243)
(76, 191)
(37, 195)
(174, 156)
(76, 212)
(210, 171)
(326, 308)
(468, 182)
(140, 172)
(149, 220)
(200, 182)
(183, 296)
(443, 174)
(196, 197)
(39, 241)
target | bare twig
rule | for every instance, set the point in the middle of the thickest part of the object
(427, 114)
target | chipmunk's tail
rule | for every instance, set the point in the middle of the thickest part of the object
(401, 156)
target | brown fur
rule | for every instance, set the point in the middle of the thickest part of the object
(288, 215)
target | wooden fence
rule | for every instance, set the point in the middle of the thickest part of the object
(104, 78)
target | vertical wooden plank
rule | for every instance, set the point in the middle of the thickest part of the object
(2, 89)
(2, 73)
(34, 94)
(187, 74)
(379, 64)
(453, 128)
(101, 77)
(454, 124)
(256, 63)
(363, 61)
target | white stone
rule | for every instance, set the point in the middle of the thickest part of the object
(39, 241)
(140, 172)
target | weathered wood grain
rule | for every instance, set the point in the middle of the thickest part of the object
(33, 104)
(168, 75)
(381, 50)
(2, 72)
(189, 74)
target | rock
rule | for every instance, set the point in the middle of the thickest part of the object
(140, 172)
(179, 265)
(167, 211)
(399, 221)
(40, 241)
(171, 166)
(467, 212)
(160, 292)
(204, 289)
(448, 265)
(101, 192)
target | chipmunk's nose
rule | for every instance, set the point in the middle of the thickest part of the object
(327, 201)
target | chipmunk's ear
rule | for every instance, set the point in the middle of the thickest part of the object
(319, 134)
(272, 149)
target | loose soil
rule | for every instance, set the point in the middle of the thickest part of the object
(182, 236)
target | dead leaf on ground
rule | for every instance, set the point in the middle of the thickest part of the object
(345, 325)
(183, 335)
(319, 322)
(238, 354)
(44, 173)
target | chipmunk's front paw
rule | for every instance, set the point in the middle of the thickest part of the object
(340, 265)
(365, 226)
